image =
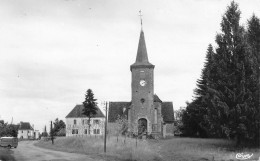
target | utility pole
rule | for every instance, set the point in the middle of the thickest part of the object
(52, 140)
(105, 140)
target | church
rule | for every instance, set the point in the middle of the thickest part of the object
(146, 113)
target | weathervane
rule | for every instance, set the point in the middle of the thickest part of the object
(140, 14)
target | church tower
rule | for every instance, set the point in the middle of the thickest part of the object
(141, 112)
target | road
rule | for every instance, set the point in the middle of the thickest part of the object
(26, 151)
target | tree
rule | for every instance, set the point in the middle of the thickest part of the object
(194, 116)
(206, 74)
(61, 132)
(253, 39)
(52, 133)
(44, 133)
(192, 120)
(8, 129)
(3, 128)
(178, 123)
(90, 106)
(226, 102)
(58, 125)
(229, 94)
(223, 92)
(121, 125)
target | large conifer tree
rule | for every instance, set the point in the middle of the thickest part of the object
(198, 108)
(224, 90)
(226, 100)
(230, 93)
(90, 106)
(253, 39)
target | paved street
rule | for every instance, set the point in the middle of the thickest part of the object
(26, 151)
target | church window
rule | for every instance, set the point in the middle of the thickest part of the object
(142, 74)
(75, 122)
(155, 115)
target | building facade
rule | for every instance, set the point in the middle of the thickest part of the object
(146, 113)
(77, 124)
(36, 134)
(25, 131)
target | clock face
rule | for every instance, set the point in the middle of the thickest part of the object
(143, 82)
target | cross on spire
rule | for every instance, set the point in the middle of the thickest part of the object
(140, 14)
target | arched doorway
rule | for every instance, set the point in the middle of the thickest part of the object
(142, 126)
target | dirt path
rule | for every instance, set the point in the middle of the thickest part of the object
(26, 151)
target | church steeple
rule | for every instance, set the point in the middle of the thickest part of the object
(141, 57)
(141, 51)
(142, 103)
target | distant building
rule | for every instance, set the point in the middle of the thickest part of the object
(77, 123)
(36, 134)
(25, 131)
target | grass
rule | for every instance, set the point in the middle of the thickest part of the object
(201, 149)
(124, 149)
(174, 148)
(6, 154)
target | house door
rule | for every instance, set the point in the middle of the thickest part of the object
(142, 126)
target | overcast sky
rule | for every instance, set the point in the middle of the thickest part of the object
(52, 51)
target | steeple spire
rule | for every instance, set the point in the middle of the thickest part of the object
(141, 57)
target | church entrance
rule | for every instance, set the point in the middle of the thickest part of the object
(142, 126)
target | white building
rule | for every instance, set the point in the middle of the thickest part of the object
(77, 123)
(25, 131)
(36, 134)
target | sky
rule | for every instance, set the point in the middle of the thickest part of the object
(52, 51)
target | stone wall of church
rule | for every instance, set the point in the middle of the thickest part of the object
(158, 108)
(142, 98)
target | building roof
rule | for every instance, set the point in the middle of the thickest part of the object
(167, 112)
(120, 109)
(141, 57)
(25, 126)
(156, 98)
(117, 109)
(77, 112)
